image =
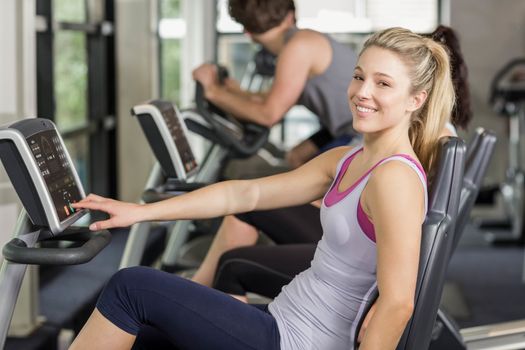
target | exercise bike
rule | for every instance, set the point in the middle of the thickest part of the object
(176, 171)
(508, 99)
(42, 173)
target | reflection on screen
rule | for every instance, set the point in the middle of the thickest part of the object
(181, 142)
(56, 171)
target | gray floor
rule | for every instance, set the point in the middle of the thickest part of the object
(484, 282)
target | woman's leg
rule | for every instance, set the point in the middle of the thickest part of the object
(233, 233)
(190, 315)
(108, 336)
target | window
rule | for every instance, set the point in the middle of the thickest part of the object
(75, 84)
(172, 29)
(349, 21)
(70, 76)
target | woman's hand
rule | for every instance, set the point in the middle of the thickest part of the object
(206, 74)
(121, 214)
(366, 321)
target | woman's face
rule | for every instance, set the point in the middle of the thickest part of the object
(380, 92)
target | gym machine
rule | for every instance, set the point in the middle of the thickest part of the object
(41, 171)
(508, 99)
(176, 170)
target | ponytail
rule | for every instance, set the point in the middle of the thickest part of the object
(429, 121)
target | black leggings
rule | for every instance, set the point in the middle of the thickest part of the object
(266, 269)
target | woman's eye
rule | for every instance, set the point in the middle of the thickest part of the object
(357, 77)
(384, 83)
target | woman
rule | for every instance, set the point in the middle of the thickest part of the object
(401, 96)
(265, 269)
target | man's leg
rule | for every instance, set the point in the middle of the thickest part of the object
(233, 233)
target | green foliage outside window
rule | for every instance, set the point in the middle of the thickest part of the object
(70, 80)
(170, 74)
(69, 11)
(70, 66)
(170, 55)
(170, 8)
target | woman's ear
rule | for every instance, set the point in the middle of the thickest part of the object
(417, 100)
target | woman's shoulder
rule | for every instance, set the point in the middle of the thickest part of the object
(397, 182)
(335, 156)
(398, 174)
(342, 151)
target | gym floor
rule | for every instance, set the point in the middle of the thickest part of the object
(484, 282)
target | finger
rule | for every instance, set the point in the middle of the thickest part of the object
(92, 206)
(360, 335)
(89, 198)
(95, 197)
(102, 225)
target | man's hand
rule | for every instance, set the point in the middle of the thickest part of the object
(206, 74)
(301, 153)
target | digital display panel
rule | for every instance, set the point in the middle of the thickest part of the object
(56, 171)
(178, 135)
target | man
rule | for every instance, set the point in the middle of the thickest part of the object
(312, 70)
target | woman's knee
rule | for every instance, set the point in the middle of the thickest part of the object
(126, 279)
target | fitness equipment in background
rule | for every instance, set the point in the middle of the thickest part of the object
(176, 170)
(508, 99)
(41, 171)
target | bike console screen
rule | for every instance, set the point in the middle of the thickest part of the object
(56, 171)
(173, 122)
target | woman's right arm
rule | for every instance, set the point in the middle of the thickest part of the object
(299, 186)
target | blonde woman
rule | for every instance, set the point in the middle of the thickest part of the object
(374, 202)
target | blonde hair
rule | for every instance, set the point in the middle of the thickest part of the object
(429, 67)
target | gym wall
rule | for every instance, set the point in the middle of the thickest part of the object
(491, 33)
(17, 88)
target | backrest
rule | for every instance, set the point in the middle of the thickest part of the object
(436, 244)
(479, 152)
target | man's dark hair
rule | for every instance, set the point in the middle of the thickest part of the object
(462, 112)
(258, 16)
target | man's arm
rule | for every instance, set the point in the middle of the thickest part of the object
(293, 69)
(234, 87)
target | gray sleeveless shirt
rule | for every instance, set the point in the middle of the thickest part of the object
(321, 306)
(325, 94)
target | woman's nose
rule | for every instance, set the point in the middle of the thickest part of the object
(364, 91)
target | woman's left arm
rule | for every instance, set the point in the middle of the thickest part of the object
(394, 199)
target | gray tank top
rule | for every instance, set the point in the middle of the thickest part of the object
(325, 94)
(321, 306)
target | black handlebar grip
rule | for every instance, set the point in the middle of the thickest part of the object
(17, 251)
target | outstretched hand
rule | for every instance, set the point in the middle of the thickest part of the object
(121, 214)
